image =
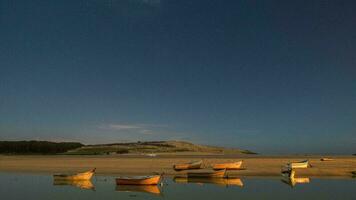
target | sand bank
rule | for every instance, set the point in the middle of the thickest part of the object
(138, 165)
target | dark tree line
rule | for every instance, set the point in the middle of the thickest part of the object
(36, 147)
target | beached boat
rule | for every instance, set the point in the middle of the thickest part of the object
(186, 166)
(80, 176)
(139, 180)
(216, 174)
(228, 166)
(82, 184)
(215, 181)
(326, 159)
(298, 165)
(151, 189)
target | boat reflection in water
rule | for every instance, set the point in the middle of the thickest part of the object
(216, 181)
(82, 184)
(151, 189)
(294, 181)
(290, 179)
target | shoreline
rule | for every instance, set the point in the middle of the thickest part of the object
(255, 165)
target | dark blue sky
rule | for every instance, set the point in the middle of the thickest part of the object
(269, 76)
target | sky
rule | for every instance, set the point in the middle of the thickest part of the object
(268, 76)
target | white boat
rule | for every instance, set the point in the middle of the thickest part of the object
(298, 165)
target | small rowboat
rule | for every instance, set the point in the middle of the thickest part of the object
(326, 159)
(186, 166)
(217, 174)
(80, 176)
(139, 180)
(298, 165)
(228, 166)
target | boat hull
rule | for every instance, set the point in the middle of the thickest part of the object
(228, 166)
(187, 166)
(152, 180)
(298, 165)
(75, 177)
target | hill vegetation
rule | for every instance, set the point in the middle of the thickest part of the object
(153, 147)
(37, 147)
(74, 148)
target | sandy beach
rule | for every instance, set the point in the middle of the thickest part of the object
(341, 166)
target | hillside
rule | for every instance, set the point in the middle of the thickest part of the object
(37, 147)
(153, 147)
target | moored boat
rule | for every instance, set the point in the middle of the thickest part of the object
(228, 166)
(326, 159)
(186, 166)
(216, 174)
(298, 165)
(139, 180)
(80, 176)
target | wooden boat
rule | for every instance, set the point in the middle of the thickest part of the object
(186, 166)
(139, 180)
(228, 166)
(216, 181)
(217, 174)
(80, 176)
(298, 165)
(326, 159)
(82, 184)
(151, 189)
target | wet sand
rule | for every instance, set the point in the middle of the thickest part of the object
(341, 166)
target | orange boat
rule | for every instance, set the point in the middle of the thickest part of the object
(217, 174)
(229, 166)
(139, 180)
(80, 176)
(186, 166)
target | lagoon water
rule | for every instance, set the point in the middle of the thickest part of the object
(27, 186)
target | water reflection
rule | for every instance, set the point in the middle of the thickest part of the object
(41, 187)
(82, 184)
(291, 181)
(215, 181)
(151, 189)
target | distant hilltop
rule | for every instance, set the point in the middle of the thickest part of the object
(154, 147)
(74, 148)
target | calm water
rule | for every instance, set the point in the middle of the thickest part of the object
(20, 186)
